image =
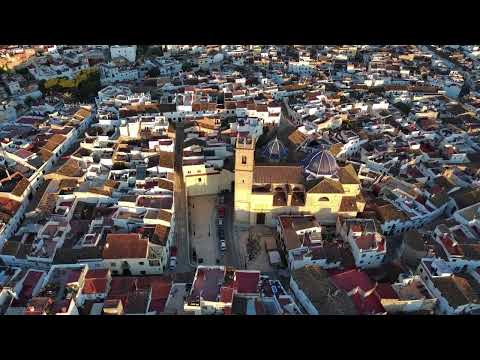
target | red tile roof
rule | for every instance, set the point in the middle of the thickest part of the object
(97, 273)
(226, 294)
(95, 286)
(367, 305)
(23, 153)
(125, 246)
(29, 283)
(246, 281)
(361, 290)
(348, 280)
(386, 291)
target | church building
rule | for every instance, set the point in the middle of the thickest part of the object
(320, 187)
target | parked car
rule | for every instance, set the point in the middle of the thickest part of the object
(222, 245)
(220, 222)
(173, 263)
(221, 212)
(221, 199)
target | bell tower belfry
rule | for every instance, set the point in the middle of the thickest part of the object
(244, 164)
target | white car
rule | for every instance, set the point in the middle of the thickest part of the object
(222, 245)
(173, 263)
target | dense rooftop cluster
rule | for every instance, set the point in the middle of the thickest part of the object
(363, 161)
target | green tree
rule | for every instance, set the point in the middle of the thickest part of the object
(28, 101)
(89, 87)
(41, 86)
(22, 71)
(156, 51)
(154, 72)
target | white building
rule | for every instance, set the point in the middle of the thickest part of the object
(7, 112)
(367, 244)
(457, 292)
(110, 73)
(126, 51)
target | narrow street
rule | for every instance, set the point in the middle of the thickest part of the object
(234, 255)
(181, 228)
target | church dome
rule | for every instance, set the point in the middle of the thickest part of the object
(274, 150)
(323, 163)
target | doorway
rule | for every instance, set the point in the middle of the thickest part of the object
(261, 219)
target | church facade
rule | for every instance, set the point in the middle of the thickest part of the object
(265, 191)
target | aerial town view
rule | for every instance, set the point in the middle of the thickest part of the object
(239, 180)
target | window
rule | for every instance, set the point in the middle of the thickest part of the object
(244, 160)
(199, 179)
(113, 264)
(323, 199)
(143, 272)
(115, 272)
(363, 255)
(141, 263)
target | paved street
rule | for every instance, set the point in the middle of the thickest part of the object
(181, 230)
(234, 255)
(203, 232)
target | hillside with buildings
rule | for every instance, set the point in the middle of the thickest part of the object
(239, 180)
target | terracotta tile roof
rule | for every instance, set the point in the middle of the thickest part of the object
(268, 174)
(322, 292)
(208, 123)
(458, 290)
(163, 159)
(336, 148)
(165, 184)
(230, 105)
(97, 273)
(325, 186)
(67, 184)
(466, 197)
(9, 206)
(390, 212)
(23, 153)
(21, 187)
(71, 168)
(125, 246)
(44, 154)
(95, 286)
(160, 234)
(297, 137)
(82, 114)
(54, 142)
(348, 175)
(164, 215)
(246, 281)
(262, 108)
(112, 183)
(106, 191)
(137, 302)
(348, 204)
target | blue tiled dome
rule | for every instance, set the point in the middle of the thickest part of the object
(274, 150)
(323, 163)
